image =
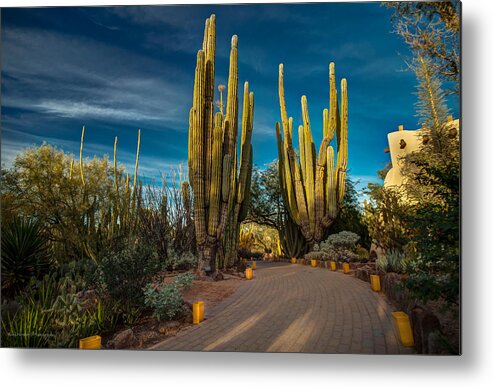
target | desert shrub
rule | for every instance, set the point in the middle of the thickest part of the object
(184, 281)
(362, 252)
(384, 217)
(166, 301)
(393, 261)
(180, 261)
(344, 240)
(340, 246)
(123, 275)
(25, 253)
(319, 255)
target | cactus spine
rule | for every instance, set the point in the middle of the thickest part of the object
(219, 187)
(313, 187)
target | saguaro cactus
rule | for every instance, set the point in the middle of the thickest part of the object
(219, 186)
(312, 186)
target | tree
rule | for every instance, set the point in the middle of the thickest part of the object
(433, 185)
(432, 30)
(434, 224)
(351, 216)
(83, 209)
(41, 184)
(265, 202)
(422, 217)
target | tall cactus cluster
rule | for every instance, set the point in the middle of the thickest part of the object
(120, 216)
(220, 186)
(313, 185)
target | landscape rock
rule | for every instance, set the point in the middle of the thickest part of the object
(169, 328)
(123, 339)
(187, 314)
(217, 276)
(363, 273)
(147, 337)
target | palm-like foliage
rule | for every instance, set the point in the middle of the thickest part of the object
(25, 253)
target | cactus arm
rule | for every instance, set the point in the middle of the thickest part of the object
(198, 151)
(232, 98)
(342, 151)
(246, 201)
(81, 161)
(331, 203)
(71, 169)
(325, 122)
(282, 104)
(246, 147)
(332, 124)
(285, 169)
(215, 184)
(136, 169)
(302, 151)
(300, 200)
(115, 167)
(309, 179)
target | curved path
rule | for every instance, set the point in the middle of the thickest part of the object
(295, 308)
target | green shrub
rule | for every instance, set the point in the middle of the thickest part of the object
(340, 246)
(362, 253)
(344, 240)
(25, 253)
(180, 261)
(124, 274)
(184, 281)
(319, 255)
(166, 301)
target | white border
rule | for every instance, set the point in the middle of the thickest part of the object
(70, 367)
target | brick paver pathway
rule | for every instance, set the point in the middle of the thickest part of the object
(295, 308)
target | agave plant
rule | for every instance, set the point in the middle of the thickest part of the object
(25, 253)
(28, 328)
(393, 261)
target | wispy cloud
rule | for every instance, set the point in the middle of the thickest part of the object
(80, 78)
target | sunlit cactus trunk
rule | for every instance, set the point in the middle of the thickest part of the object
(220, 187)
(313, 185)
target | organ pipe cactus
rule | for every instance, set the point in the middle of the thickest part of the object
(313, 185)
(220, 187)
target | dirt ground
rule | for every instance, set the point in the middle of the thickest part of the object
(212, 293)
(148, 331)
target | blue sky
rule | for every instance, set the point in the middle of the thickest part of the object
(117, 69)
